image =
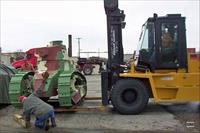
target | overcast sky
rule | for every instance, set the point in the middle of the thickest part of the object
(28, 24)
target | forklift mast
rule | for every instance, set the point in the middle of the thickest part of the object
(115, 23)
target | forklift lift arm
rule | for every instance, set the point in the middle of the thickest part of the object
(115, 24)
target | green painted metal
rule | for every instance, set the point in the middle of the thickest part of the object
(69, 84)
(18, 86)
(63, 80)
(52, 81)
(64, 91)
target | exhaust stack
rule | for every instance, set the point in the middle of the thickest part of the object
(70, 45)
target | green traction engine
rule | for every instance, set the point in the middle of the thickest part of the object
(64, 83)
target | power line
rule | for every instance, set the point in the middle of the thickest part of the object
(93, 52)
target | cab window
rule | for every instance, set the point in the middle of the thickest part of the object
(28, 56)
(168, 47)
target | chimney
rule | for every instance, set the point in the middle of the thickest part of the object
(70, 45)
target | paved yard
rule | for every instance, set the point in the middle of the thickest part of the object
(160, 118)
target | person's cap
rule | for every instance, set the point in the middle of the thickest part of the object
(21, 99)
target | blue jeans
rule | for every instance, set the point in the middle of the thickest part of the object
(40, 122)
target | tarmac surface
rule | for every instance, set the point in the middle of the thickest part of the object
(155, 118)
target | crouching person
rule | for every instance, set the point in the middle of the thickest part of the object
(33, 105)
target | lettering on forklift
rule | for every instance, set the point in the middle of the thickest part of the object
(167, 78)
(113, 42)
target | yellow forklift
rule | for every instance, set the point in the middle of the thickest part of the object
(163, 69)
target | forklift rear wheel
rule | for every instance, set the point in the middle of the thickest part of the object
(129, 96)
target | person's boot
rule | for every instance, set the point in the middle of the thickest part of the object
(46, 125)
(53, 122)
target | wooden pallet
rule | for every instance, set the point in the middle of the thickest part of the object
(77, 108)
(82, 109)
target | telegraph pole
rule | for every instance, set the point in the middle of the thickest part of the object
(79, 46)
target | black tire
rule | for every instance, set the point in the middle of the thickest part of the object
(129, 96)
(87, 70)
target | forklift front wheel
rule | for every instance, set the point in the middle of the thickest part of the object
(129, 96)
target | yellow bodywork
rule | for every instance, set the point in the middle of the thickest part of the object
(171, 85)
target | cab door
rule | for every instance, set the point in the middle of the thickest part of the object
(171, 52)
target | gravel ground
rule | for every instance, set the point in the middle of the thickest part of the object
(188, 114)
(156, 118)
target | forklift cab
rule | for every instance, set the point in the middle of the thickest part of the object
(162, 44)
